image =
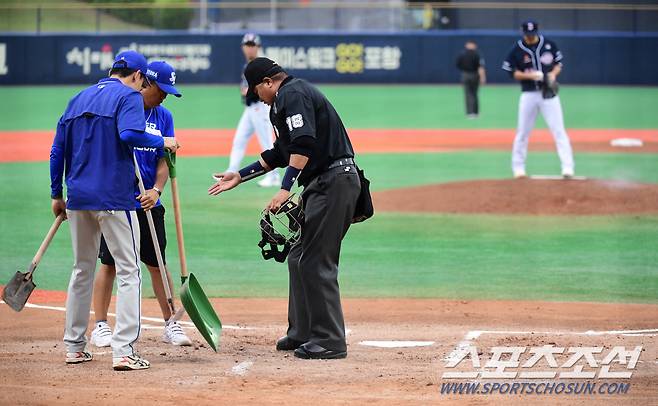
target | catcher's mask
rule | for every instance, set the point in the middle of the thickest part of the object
(282, 228)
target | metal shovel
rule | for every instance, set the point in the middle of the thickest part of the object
(20, 287)
(192, 296)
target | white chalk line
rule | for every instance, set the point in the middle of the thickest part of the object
(396, 344)
(467, 341)
(145, 318)
(242, 368)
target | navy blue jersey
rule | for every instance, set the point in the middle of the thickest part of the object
(542, 56)
(159, 122)
(100, 174)
(251, 97)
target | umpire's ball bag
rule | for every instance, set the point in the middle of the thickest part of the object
(364, 208)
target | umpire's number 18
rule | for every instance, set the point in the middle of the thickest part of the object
(295, 121)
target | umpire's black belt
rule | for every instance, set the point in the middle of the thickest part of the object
(341, 162)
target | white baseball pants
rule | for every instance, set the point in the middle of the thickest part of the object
(254, 119)
(121, 231)
(531, 103)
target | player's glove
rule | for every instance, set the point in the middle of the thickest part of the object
(549, 88)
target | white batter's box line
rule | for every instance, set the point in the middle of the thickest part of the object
(472, 335)
(146, 318)
(395, 343)
(574, 333)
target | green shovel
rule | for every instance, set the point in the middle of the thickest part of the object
(194, 299)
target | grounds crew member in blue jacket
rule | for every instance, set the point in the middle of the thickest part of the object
(313, 144)
(155, 173)
(93, 147)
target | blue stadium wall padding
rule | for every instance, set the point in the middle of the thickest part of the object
(416, 57)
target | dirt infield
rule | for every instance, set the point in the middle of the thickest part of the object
(29, 146)
(247, 369)
(524, 196)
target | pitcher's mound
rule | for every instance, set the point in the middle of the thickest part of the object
(525, 196)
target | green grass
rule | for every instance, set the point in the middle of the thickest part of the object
(212, 106)
(76, 19)
(595, 258)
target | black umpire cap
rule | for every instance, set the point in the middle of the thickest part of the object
(259, 69)
(530, 27)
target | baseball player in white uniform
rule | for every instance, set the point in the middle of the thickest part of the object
(255, 119)
(536, 61)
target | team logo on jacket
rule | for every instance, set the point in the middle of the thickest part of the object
(526, 59)
(546, 58)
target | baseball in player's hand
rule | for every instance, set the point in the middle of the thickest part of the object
(225, 181)
(275, 204)
(537, 75)
(148, 199)
(171, 144)
(59, 207)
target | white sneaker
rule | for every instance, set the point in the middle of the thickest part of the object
(567, 173)
(102, 335)
(174, 334)
(520, 174)
(270, 180)
(78, 357)
(130, 363)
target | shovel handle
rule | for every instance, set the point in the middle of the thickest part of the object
(156, 244)
(179, 228)
(44, 245)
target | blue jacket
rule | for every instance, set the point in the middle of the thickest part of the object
(93, 146)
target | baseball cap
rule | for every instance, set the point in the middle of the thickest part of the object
(530, 27)
(164, 75)
(259, 69)
(130, 60)
(251, 39)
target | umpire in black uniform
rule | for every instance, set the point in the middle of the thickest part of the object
(313, 144)
(471, 64)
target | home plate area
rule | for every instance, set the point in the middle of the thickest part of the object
(398, 352)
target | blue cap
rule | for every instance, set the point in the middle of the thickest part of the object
(130, 60)
(530, 27)
(164, 75)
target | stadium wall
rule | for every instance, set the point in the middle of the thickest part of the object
(418, 57)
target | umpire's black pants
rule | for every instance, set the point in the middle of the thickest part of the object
(314, 310)
(471, 81)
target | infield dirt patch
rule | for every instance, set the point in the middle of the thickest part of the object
(248, 370)
(31, 146)
(524, 196)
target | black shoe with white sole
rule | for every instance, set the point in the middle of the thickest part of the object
(314, 351)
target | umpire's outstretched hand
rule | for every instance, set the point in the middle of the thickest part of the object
(225, 181)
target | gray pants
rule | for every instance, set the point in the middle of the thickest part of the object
(121, 231)
(471, 81)
(314, 310)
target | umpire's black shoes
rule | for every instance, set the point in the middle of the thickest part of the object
(314, 351)
(287, 344)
